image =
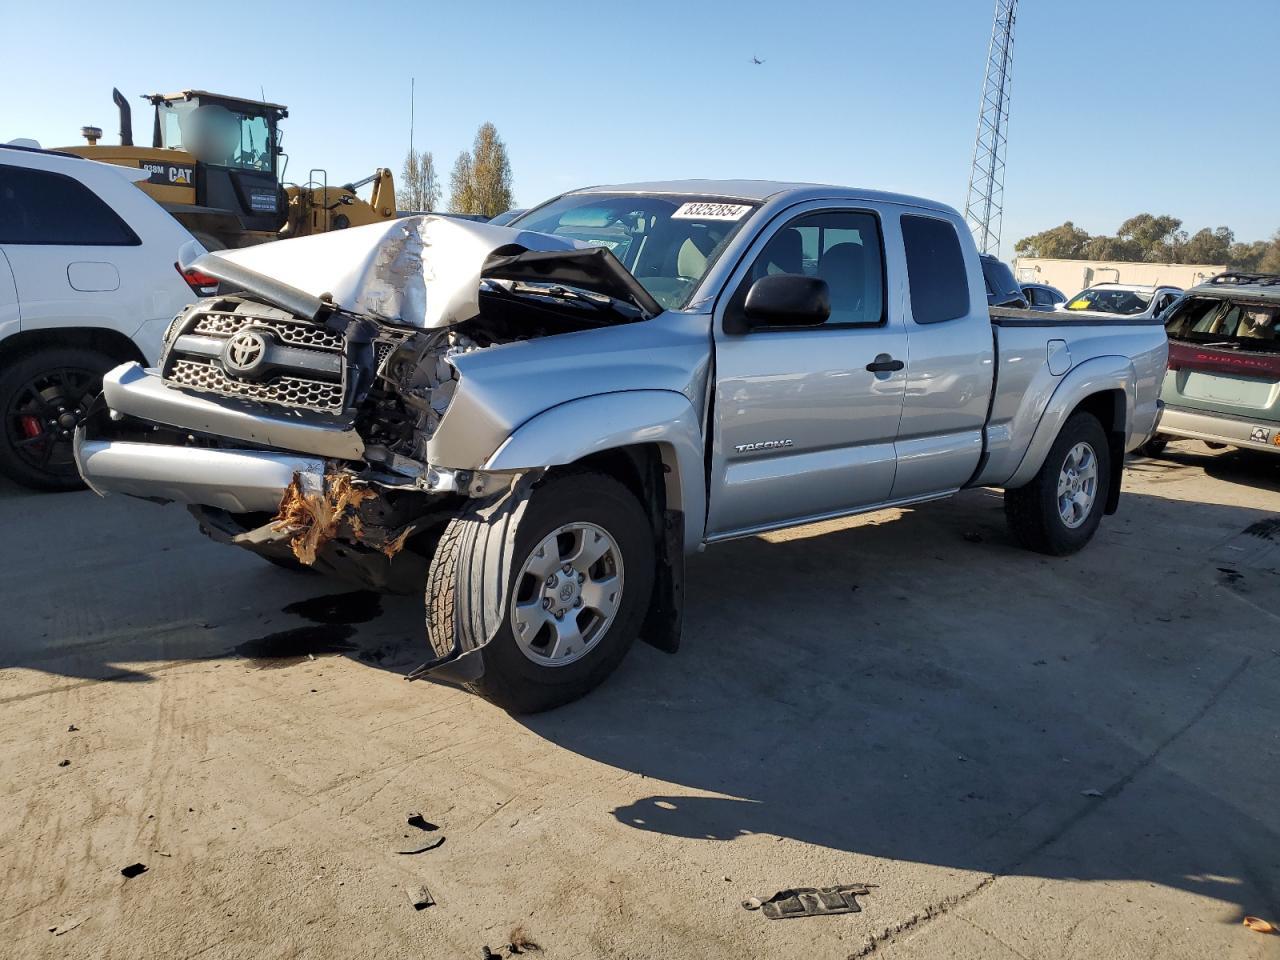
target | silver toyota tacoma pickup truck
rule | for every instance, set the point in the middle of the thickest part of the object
(538, 422)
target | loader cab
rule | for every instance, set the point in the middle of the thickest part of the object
(235, 144)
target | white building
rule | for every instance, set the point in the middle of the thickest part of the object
(1072, 276)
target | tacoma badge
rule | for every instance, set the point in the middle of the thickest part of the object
(762, 445)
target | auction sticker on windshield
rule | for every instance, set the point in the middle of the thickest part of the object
(711, 211)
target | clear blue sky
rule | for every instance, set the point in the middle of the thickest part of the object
(1119, 106)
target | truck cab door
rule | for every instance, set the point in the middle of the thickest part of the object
(948, 388)
(804, 419)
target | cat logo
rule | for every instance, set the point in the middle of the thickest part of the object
(169, 174)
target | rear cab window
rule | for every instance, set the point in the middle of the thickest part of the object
(936, 273)
(40, 207)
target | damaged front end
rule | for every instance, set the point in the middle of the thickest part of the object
(295, 417)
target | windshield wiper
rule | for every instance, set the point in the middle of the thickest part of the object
(1230, 344)
(555, 291)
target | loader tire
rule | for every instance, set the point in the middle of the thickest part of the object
(578, 588)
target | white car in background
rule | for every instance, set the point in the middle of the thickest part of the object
(89, 279)
(1129, 300)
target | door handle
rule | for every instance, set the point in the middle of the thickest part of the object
(885, 364)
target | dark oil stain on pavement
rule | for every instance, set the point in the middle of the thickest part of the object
(290, 647)
(358, 606)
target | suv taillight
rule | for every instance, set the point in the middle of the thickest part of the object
(200, 283)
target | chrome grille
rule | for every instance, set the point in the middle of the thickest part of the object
(297, 363)
(298, 334)
(290, 391)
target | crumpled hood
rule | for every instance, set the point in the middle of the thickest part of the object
(423, 271)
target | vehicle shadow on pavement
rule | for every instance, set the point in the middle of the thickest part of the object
(923, 690)
(906, 685)
(1243, 467)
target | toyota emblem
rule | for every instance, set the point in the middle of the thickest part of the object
(244, 352)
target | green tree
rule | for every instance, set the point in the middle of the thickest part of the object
(481, 180)
(1065, 243)
(419, 185)
(1270, 260)
(491, 172)
(1154, 237)
(1112, 248)
(1207, 246)
(462, 195)
(1247, 257)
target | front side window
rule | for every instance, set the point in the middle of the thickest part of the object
(936, 273)
(1225, 323)
(842, 248)
(667, 242)
(40, 207)
(216, 134)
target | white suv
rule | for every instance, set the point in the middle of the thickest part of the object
(88, 280)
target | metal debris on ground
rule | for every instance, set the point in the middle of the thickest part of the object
(1094, 794)
(62, 928)
(420, 897)
(429, 846)
(487, 954)
(1258, 925)
(72, 729)
(810, 901)
(518, 942)
(133, 870)
(64, 763)
(415, 819)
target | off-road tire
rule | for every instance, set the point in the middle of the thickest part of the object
(14, 377)
(1032, 510)
(511, 680)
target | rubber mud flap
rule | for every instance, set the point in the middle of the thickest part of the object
(490, 528)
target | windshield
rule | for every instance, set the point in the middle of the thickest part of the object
(1224, 323)
(668, 243)
(216, 134)
(1108, 300)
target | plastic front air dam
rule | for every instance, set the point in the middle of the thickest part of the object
(493, 523)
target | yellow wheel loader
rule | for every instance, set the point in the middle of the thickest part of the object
(214, 163)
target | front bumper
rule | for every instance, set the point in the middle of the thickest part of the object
(236, 480)
(1184, 422)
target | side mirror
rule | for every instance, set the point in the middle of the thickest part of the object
(787, 300)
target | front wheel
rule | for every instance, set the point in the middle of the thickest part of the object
(1059, 510)
(579, 586)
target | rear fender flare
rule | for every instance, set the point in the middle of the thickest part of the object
(571, 431)
(1098, 375)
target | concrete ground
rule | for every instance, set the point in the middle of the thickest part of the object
(1028, 758)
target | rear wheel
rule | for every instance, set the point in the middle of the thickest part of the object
(1059, 510)
(43, 397)
(580, 583)
(1155, 446)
